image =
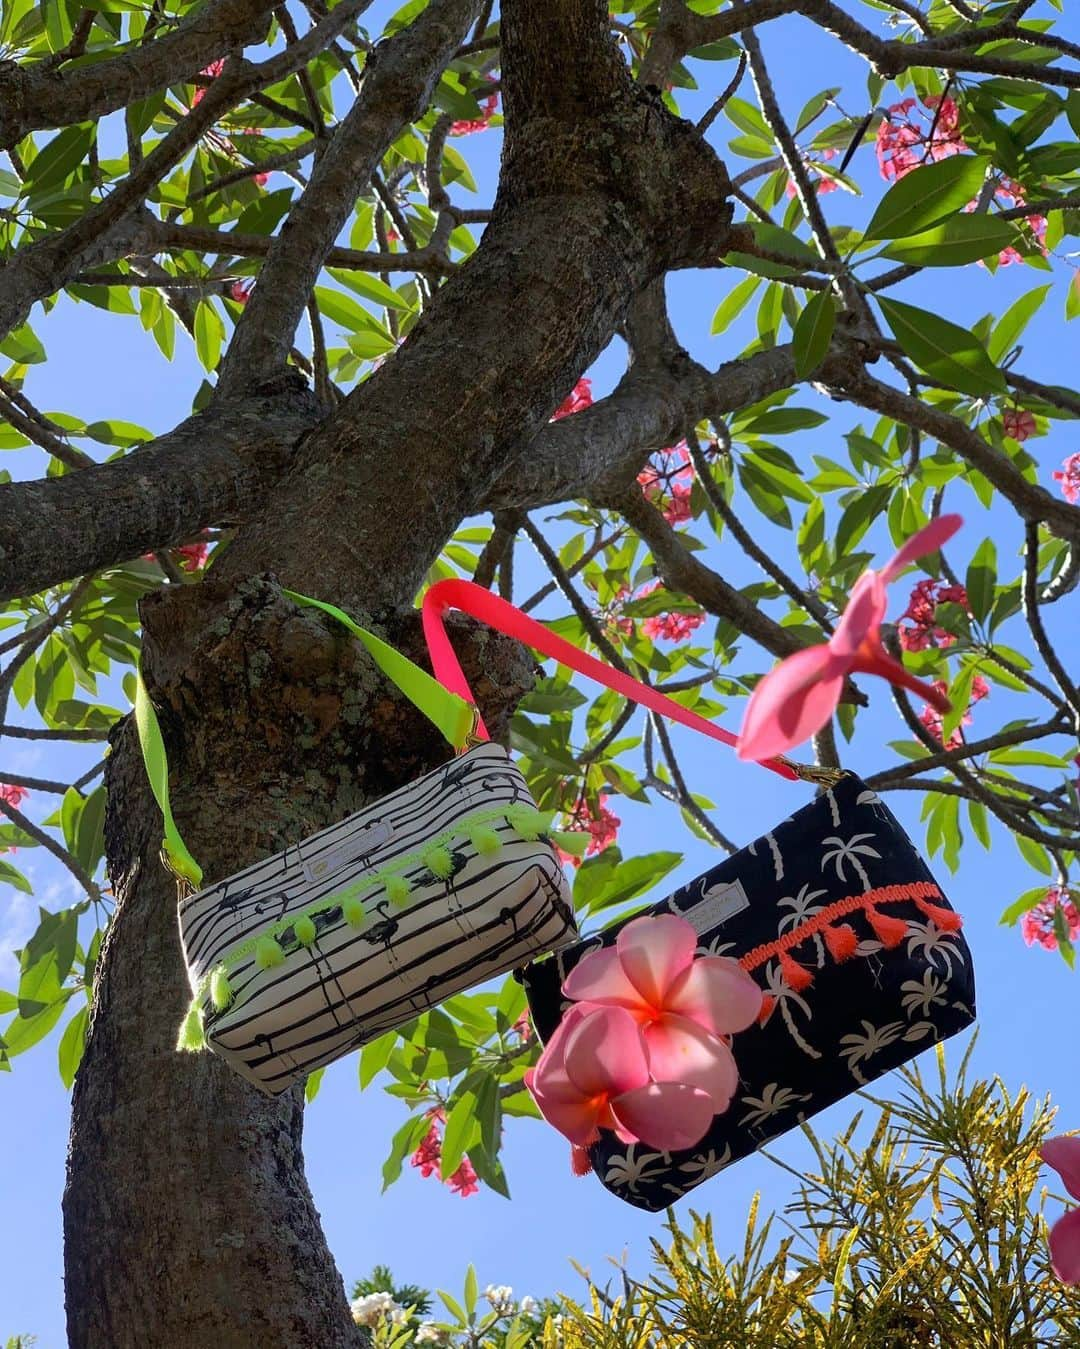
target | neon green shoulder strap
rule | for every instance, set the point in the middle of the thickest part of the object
(450, 714)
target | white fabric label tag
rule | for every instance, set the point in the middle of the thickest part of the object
(716, 906)
(334, 858)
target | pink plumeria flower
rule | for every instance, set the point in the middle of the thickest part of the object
(594, 1074)
(682, 1005)
(1063, 1154)
(799, 696)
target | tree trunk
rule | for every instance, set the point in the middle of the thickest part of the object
(187, 1214)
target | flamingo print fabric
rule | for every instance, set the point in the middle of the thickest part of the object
(858, 955)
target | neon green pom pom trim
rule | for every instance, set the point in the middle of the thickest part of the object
(305, 930)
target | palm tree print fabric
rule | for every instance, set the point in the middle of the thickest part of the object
(839, 1010)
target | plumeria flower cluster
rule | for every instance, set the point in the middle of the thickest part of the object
(12, 793)
(923, 631)
(911, 135)
(799, 696)
(373, 1308)
(428, 1159)
(212, 71)
(645, 1049)
(1069, 477)
(932, 719)
(602, 826)
(667, 482)
(488, 108)
(1063, 1154)
(1040, 925)
(675, 626)
(1018, 424)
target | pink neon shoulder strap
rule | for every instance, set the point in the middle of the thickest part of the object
(497, 613)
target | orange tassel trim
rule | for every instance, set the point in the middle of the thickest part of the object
(580, 1163)
(889, 931)
(943, 919)
(841, 941)
(797, 977)
(768, 1006)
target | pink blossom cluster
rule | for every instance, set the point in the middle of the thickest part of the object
(1018, 424)
(923, 632)
(577, 400)
(932, 719)
(602, 827)
(1038, 925)
(428, 1158)
(909, 135)
(468, 126)
(240, 291)
(670, 627)
(1069, 477)
(667, 482)
(12, 794)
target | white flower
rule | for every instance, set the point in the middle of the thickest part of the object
(370, 1309)
(529, 1306)
(501, 1297)
(430, 1333)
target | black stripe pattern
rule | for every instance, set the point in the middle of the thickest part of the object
(495, 910)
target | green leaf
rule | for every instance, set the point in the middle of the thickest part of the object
(1034, 854)
(461, 1130)
(371, 288)
(942, 349)
(209, 335)
(813, 333)
(312, 1085)
(10, 875)
(61, 157)
(472, 1292)
(633, 877)
(858, 516)
(72, 1044)
(981, 580)
(1010, 327)
(733, 304)
(960, 239)
(927, 195)
(407, 1139)
(25, 1032)
(979, 822)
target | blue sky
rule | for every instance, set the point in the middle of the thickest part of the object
(104, 366)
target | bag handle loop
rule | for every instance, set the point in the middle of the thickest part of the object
(473, 599)
(454, 716)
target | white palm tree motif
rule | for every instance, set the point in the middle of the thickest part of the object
(921, 995)
(783, 995)
(716, 947)
(920, 1030)
(934, 945)
(849, 851)
(874, 1039)
(700, 1169)
(834, 808)
(802, 907)
(772, 1101)
(627, 1170)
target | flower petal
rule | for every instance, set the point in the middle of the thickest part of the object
(1063, 1154)
(575, 1119)
(877, 661)
(1065, 1247)
(605, 1053)
(862, 617)
(665, 1115)
(718, 994)
(653, 952)
(926, 540)
(600, 977)
(792, 702)
(681, 1051)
